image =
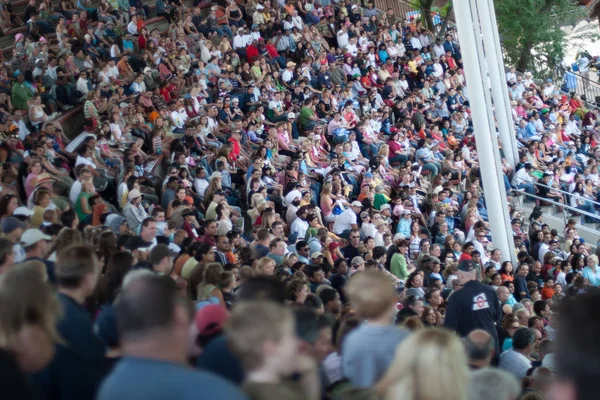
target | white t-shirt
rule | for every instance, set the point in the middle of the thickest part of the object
(344, 221)
(74, 192)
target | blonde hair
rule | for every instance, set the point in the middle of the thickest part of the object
(253, 323)
(262, 263)
(26, 299)
(371, 293)
(428, 355)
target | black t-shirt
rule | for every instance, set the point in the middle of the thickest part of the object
(474, 306)
(14, 384)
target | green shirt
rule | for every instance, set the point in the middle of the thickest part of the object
(305, 115)
(20, 94)
(398, 266)
(78, 207)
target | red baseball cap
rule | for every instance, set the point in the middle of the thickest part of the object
(210, 319)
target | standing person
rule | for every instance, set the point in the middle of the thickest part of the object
(153, 324)
(520, 282)
(577, 351)
(77, 273)
(473, 306)
(369, 350)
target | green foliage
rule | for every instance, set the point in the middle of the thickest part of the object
(530, 31)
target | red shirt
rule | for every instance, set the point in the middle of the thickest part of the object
(272, 50)
(252, 53)
(235, 151)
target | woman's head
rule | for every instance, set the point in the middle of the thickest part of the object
(28, 322)
(437, 353)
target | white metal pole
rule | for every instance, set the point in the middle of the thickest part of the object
(493, 54)
(487, 149)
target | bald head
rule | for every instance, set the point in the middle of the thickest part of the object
(480, 348)
(502, 293)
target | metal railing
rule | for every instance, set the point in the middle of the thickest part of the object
(407, 11)
(568, 211)
(588, 89)
(563, 192)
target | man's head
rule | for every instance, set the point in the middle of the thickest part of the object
(372, 295)
(211, 228)
(331, 301)
(160, 258)
(315, 333)
(262, 334)
(149, 229)
(480, 348)
(277, 247)
(77, 269)
(502, 293)
(223, 244)
(34, 242)
(523, 340)
(150, 310)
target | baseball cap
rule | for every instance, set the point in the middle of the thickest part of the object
(24, 211)
(364, 214)
(216, 175)
(32, 236)
(9, 224)
(357, 260)
(316, 254)
(356, 204)
(134, 194)
(147, 69)
(291, 115)
(385, 207)
(210, 319)
(466, 265)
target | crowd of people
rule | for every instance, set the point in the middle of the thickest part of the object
(280, 200)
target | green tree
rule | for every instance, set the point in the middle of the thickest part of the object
(426, 7)
(530, 31)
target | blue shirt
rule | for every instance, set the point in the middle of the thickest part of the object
(141, 379)
(368, 351)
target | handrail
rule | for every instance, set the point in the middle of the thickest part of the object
(556, 203)
(562, 191)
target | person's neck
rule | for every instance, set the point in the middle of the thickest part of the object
(76, 294)
(33, 254)
(263, 375)
(524, 352)
(384, 320)
(159, 347)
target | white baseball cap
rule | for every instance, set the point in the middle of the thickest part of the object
(32, 236)
(24, 211)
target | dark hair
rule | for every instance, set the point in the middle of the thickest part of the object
(262, 288)
(313, 302)
(68, 217)
(119, 264)
(4, 201)
(539, 306)
(309, 323)
(522, 338)
(327, 294)
(202, 249)
(146, 305)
